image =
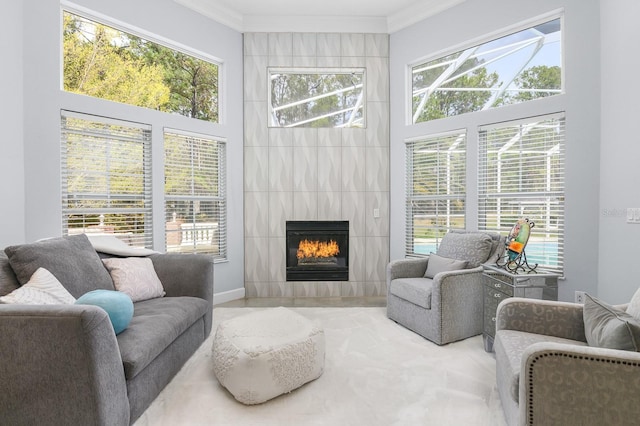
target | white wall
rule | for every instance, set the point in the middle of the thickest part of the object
(475, 19)
(620, 150)
(43, 101)
(12, 225)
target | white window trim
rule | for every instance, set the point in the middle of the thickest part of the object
(485, 38)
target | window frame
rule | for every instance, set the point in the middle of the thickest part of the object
(319, 71)
(554, 197)
(108, 139)
(412, 197)
(158, 120)
(476, 41)
(148, 36)
(220, 197)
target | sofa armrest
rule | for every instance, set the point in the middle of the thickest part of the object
(566, 384)
(60, 365)
(551, 318)
(406, 268)
(185, 274)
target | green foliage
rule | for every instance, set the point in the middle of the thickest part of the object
(539, 77)
(451, 102)
(109, 64)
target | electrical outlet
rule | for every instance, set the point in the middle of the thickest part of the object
(579, 296)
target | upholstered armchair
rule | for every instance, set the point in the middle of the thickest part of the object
(440, 296)
(547, 372)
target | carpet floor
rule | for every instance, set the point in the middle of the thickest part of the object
(377, 373)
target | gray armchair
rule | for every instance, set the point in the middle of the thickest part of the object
(448, 306)
(548, 375)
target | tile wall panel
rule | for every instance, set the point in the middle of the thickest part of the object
(256, 159)
(316, 174)
(304, 44)
(280, 210)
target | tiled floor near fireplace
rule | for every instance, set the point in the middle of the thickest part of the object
(305, 302)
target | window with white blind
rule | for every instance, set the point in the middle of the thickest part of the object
(195, 194)
(521, 175)
(106, 178)
(436, 189)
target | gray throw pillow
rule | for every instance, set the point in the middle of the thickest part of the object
(474, 247)
(437, 264)
(608, 327)
(72, 260)
(8, 280)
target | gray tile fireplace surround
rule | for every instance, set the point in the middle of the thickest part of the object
(316, 174)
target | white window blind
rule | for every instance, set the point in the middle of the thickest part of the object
(521, 175)
(106, 178)
(195, 194)
(436, 190)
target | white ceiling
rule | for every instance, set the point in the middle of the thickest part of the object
(373, 16)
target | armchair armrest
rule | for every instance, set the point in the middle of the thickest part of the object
(456, 297)
(551, 318)
(60, 365)
(566, 384)
(406, 268)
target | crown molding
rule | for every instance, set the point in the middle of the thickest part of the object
(312, 23)
(223, 15)
(418, 12)
(316, 24)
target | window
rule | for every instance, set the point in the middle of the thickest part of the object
(195, 194)
(106, 178)
(316, 98)
(107, 63)
(436, 190)
(522, 176)
(519, 67)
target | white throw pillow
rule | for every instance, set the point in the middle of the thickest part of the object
(135, 276)
(41, 289)
(437, 264)
(112, 245)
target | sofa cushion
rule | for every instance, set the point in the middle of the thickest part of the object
(42, 289)
(509, 346)
(633, 308)
(135, 276)
(72, 260)
(414, 290)
(439, 264)
(608, 327)
(8, 280)
(155, 325)
(474, 247)
(118, 306)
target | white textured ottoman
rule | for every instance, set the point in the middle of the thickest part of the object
(263, 354)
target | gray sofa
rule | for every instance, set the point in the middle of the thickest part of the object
(547, 373)
(64, 364)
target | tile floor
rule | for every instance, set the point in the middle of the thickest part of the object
(305, 302)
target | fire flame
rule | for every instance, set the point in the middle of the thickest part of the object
(308, 249)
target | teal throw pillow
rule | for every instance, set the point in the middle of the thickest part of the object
(117, 304)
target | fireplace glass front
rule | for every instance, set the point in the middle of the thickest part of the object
(317, 250)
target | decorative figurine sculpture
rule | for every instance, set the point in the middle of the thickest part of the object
(514, 258)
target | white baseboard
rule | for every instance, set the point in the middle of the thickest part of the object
(227, 296)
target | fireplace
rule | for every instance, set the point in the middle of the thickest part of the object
(317, 250)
